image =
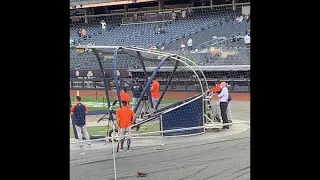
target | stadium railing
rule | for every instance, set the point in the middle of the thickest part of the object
(220, 42)
(191, 13)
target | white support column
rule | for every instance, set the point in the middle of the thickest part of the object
(85, 16)
(203, 2)
(233, 5)
(192, 3)
(160, 3)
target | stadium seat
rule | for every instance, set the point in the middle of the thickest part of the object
(200, 26)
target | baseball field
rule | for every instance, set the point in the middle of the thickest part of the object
(96, 100)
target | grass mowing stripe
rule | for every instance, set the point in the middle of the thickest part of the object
(96, 104)
(102, 130)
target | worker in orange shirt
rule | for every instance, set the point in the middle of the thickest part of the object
(155, 91)
(125, 118)
(124, 97)
(216, 89)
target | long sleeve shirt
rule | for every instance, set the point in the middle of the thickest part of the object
(224, 94)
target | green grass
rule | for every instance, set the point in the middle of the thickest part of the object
(103, 101)
(102, 130)
(95, 100)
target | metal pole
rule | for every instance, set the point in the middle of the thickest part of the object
(233, 5)
(73, 126)
(106, 87)
(146, 78)
(167, 85)
(149, 82)
(114, 159)
(115, 54)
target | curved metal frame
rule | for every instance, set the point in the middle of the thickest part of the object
(156, 71)
(149, 82)
(182, 57)
(115, 76)
(106, 86)
(166, 56)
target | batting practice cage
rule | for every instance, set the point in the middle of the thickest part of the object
(172, 71)
(185, 108)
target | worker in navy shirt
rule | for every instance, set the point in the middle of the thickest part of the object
(78, 112)
(136, 89)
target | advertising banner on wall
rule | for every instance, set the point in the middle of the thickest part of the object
(96, 73)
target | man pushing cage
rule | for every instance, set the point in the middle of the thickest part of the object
(215, 105)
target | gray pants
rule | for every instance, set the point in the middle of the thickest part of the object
(134, 102)
(80, 130)
(155, 102)
(216, 109)
(125, 133)
(229, 111)
(144, 108)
